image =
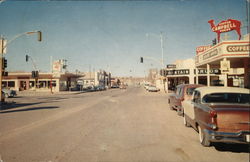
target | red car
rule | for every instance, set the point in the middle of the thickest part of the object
(182, 92)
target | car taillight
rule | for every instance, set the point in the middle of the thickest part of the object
(213, 114)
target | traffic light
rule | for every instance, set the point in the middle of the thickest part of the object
(5, 73)
(141, 59)
(4, 63)
(214, 41)
(34, 74)
(27, 58)
(39, 36)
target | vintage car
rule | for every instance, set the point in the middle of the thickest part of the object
(182, 92)
(9, 92)
(152, 88)
(123, 86)
(219, 114)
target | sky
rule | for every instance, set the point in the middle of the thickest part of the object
(111, 35)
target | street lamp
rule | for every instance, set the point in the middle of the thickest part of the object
(162, 59)
(161, 39)
(3, 47)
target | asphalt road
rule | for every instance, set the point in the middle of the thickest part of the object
(129, 125)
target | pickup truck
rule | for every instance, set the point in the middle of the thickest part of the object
(219, 114)
(182, 92)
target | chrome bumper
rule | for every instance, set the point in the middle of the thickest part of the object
(242, 137)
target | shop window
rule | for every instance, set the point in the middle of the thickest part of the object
(11, 84)
(42, 84)
(4, 84)
(53, 83)
(32, 84)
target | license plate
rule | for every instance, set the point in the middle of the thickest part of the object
(248, 138)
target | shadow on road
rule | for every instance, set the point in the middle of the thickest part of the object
(237, 148)
(30, 109)
(13, 105)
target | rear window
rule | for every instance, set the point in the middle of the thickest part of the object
(227, 98)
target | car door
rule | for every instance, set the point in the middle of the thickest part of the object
(177, 97)
(197, 110)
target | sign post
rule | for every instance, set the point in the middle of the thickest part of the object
(2, 50)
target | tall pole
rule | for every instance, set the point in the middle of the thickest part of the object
(1, 69)
(247, 12)
(162, 61)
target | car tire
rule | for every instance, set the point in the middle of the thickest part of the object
(179, 112)
(203, 138)
(185, 121)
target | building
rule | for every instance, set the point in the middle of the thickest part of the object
(227, 63)
(98, 78)
(231, 57)
(21, 81)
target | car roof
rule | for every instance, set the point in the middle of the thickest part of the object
(190, 85)
(214, 89)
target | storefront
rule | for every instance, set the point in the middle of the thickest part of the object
(231, 58)
(45, 82)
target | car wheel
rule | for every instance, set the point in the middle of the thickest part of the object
(203, 138)
(179, 112)
(185, 121)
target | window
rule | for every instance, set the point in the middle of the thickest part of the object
(178, 91)
(197, 97)
(11, 84)
(227, 98)
(4, 84)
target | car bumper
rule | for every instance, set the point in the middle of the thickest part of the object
(242, 137)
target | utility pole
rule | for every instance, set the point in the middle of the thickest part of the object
(162, 62)
(247, 12)
(1, 67)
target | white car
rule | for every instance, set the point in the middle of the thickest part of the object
(152, 89)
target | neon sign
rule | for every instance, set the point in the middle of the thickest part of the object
(226, 26)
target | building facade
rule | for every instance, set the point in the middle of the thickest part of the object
(21, 81)
(232, 58)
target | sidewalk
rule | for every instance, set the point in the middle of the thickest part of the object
(41, 93)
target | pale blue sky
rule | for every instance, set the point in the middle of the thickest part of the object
(111, 35)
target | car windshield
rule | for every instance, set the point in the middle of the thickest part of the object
(190, 91)
(227, 98)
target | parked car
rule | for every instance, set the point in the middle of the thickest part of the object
(182, 92)
(152, 88)
(219, 114)
(9, 93)
(115, 86)
(146, 85)
(123, 86)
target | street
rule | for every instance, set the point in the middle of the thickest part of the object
(128, 125)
